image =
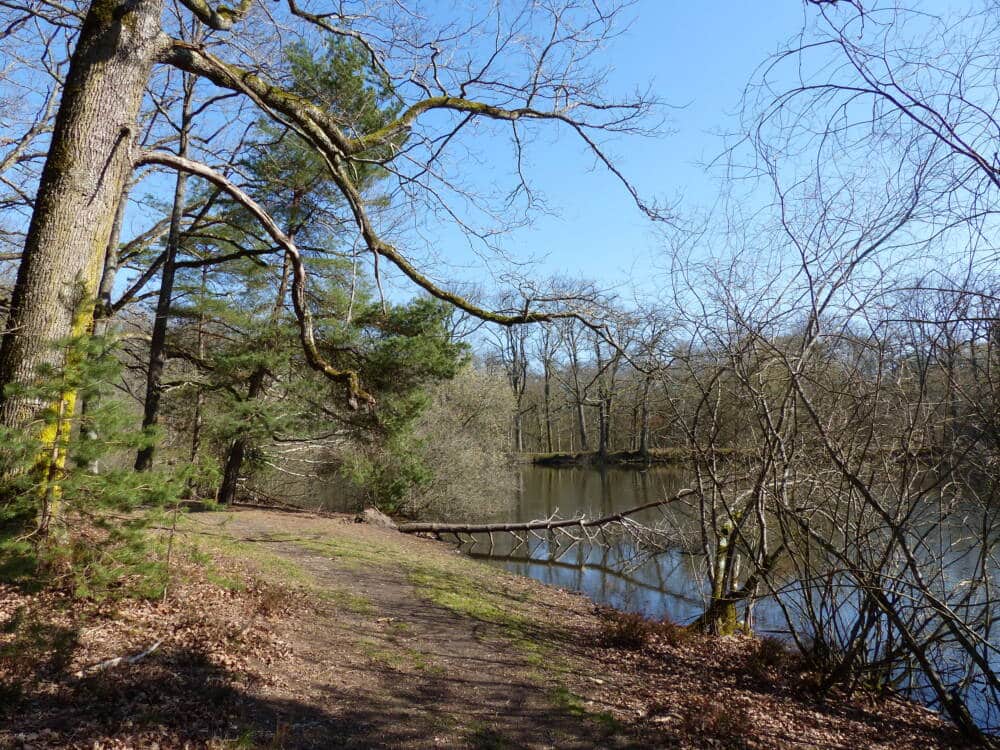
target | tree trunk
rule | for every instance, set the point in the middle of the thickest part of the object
(158, 341)
(102, 310)
(102, 316)
(581, 422)
(238, 449)
(200, 399)
(88, 164)
(231, 474)
(548, 408)
(644, 422)
(603, 427)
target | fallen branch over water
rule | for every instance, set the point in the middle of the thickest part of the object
(544, 524)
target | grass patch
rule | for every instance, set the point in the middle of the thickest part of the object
(202, 545)
(224, 580)
(465, 590)
(398, 658)
(574, 705)
(350, 554)
(343, 599)
(486, 738)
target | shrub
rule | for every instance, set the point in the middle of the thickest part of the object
(625, 630)
(72, 513)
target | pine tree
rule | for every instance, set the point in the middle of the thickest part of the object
(60, 521)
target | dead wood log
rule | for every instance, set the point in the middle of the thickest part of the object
(544, 524)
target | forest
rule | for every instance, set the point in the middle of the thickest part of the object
(272, 256)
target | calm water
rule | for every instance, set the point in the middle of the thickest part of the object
(617, 574)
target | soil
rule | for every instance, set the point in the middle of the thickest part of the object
(309, 632)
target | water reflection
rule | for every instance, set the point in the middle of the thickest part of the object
(672, 583)
(614, 572)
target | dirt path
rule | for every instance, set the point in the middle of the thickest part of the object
(288, 631)
(382, 665)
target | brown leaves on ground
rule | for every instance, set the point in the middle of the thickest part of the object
(746, 692)
(215, 646)
(269, 665)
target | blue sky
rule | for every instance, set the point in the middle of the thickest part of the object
(698, 57)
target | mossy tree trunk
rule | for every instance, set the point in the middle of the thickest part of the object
(88, 164)
(89, 161)
(720, 617)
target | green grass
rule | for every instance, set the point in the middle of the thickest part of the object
(348, 554)
(206, 552)
(398, 657)
(224, 581)
(574, 705)
(202, 544)
(470, 592)
(485, 738)
(343, 599)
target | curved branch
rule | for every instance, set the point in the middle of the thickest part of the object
(320, 130)
(349, 378)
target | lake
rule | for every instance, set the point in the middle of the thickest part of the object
(670, 583)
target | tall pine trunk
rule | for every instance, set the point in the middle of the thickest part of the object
(158, 340)
(89, 161)
(238, 448)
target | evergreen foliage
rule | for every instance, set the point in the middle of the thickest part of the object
(409, 348)
(97, 544)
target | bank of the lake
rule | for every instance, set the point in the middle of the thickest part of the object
(652, 457)
(669, 582)
(299, 631)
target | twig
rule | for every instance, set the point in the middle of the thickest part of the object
(109, 663)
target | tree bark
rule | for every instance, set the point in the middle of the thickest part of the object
(102, 316)
(604, 427)
(538, 525)
(548, 407)
(644, 421)
(158, 341)
(200, 398)
(581, 424)
(88, 164)
(238, 449)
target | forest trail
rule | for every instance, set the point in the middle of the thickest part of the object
(383, 665)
